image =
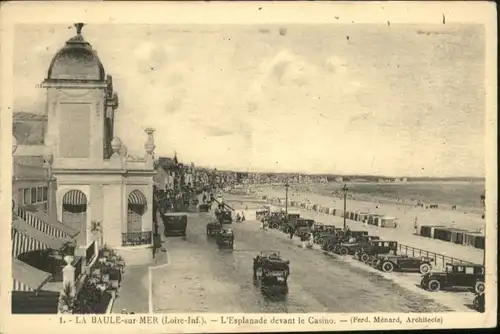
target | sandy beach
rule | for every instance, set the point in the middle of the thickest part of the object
(405, 215)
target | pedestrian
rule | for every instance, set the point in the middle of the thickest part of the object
(292, 232)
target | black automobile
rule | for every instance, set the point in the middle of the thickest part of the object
(376, 247)
(272, 272)
(213, 228)
(225, 238)
(464, 276)
(175, 224)
(403, 263)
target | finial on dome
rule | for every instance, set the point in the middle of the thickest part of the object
(79, 27)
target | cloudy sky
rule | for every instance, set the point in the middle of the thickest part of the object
(346, 98)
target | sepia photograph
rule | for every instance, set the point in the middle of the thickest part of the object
(249, 175)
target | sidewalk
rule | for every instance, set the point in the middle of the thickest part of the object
(133, 294)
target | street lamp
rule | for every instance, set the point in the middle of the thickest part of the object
(345, 189)
(286, 197)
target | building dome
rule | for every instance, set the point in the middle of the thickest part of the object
(76, 61)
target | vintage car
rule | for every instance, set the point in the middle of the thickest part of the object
(352, 244)
(204, 207)
(275, 219)
(321, 237)
(478, 302)
(223, 216)
(465, 276)
(332, 243)
(225, 237)
(213, 228)
(376, 247)
(174, 223)
(271, 271)
(389, 263)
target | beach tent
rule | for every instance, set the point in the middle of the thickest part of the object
(387, 221)
(433, 231)
(362, 216)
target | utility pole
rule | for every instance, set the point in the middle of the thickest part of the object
(344, 189)
(286, 197)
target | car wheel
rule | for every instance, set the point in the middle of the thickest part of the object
(320, 241)
(479, 288)
(364, 257)
(433, 285)
(274, 226)
(387, 267)
(343, 251)
(425, 268)
(475, 303)
(330, 247)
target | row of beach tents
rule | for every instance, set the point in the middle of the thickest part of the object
(364, 217)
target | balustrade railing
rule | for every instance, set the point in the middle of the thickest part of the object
(137, 238)
(90, 253)
(440, 260)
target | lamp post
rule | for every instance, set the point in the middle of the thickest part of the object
(286, 197)
(345, 189)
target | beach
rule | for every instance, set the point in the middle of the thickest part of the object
(405, 214)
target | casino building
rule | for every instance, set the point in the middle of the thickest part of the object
(99, 190)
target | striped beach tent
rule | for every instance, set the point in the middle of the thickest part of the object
(26, 278)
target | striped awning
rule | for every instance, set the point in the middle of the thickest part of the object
(22, 243)
(26, 277)
(137, 197)
(74, 197)
(51, 228)
(27, 239)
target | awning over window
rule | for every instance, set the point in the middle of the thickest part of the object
(137, 197)
(75, 197)
(41, 221)
(27, 239)
(26, 277)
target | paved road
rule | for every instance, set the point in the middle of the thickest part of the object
(202, 278)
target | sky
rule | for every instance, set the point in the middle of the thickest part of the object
(396, 100)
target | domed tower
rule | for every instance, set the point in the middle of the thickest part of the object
(80, 105)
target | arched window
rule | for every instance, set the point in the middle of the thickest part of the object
(74, 213)
(137, 205)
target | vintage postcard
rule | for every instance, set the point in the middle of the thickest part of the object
(248, 166)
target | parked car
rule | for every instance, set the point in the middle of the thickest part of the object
(478, 302)
(174, 223)
(389, 263)
(468, 276)
(376, 247)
